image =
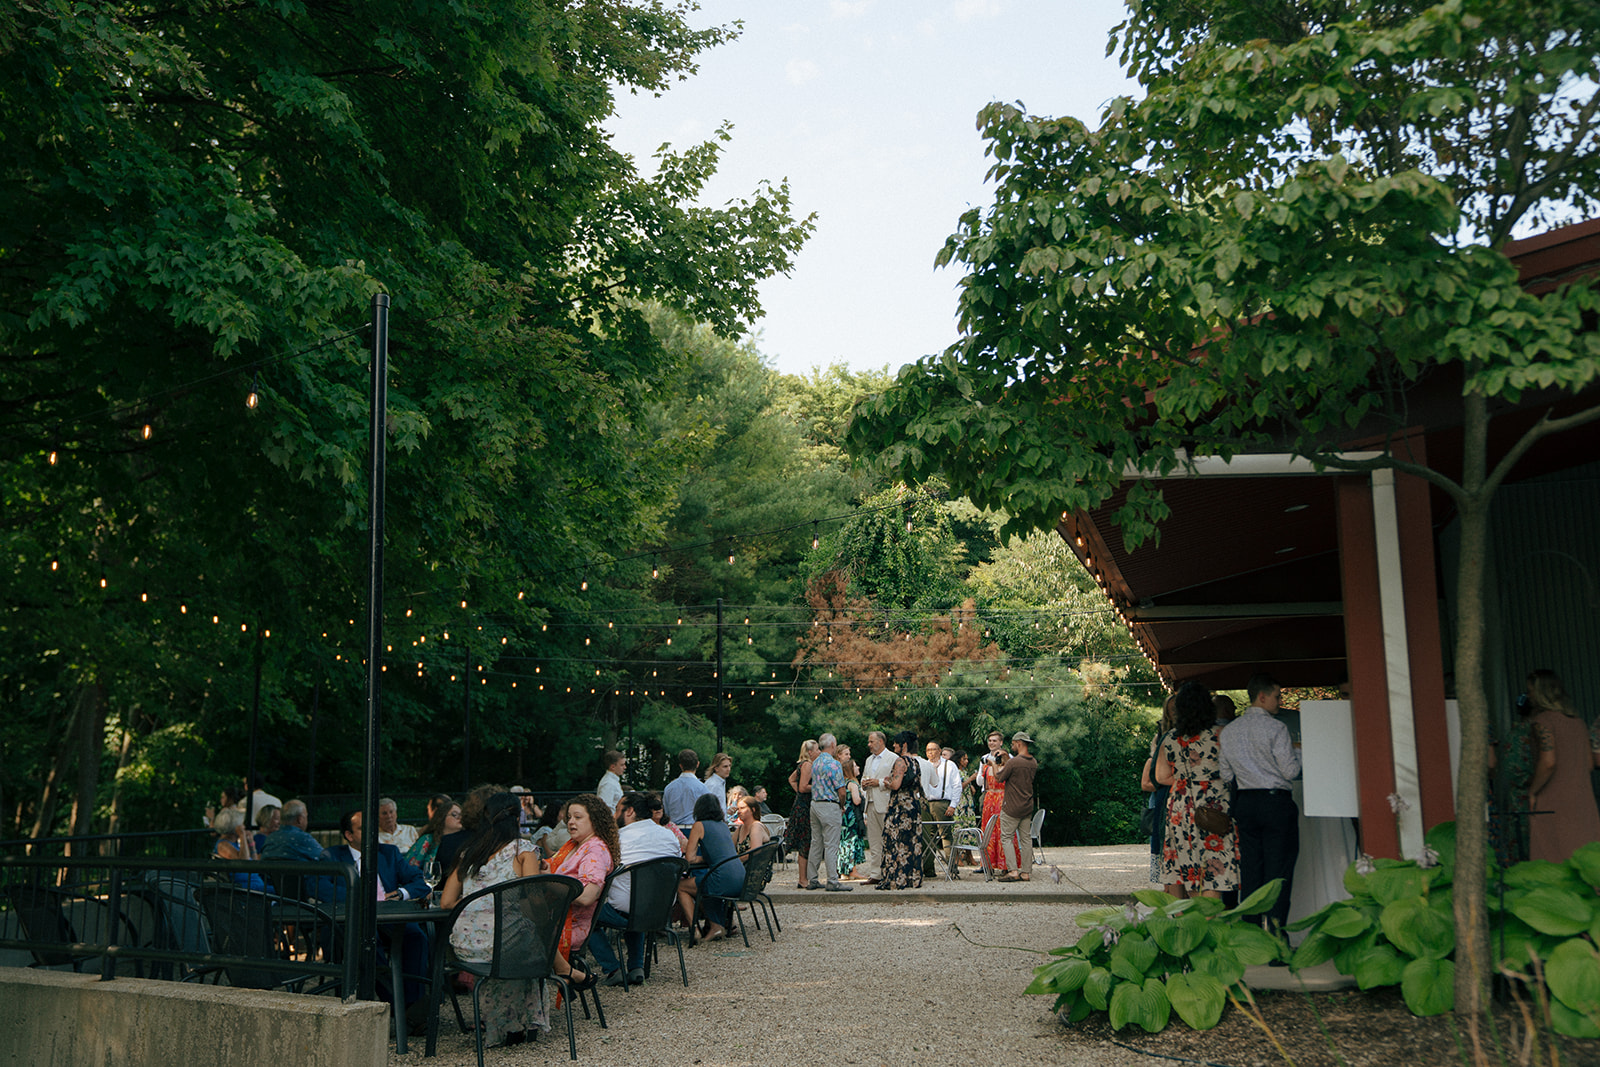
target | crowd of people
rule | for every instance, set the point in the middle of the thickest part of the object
(881, 822)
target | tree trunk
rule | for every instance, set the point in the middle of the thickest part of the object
(123, 751)
(50, 796)
(90, 743)
(1474, 967)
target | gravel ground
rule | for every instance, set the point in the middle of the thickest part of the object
(862, 978)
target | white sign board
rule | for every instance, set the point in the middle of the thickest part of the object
(1328, 758)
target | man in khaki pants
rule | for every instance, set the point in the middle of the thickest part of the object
(879, 765)
(1016, 812)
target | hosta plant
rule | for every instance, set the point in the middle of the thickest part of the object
(1158, 955)
(1398, 928)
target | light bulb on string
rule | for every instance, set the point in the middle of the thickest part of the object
(54, 457)
(655, 568)
(147, 431)
(584, 586)
(814, 541)
(252, 399)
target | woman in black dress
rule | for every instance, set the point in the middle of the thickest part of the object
(902, 823)
(797, 834)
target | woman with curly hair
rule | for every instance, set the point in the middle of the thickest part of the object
(1195, 862)
(592, 833)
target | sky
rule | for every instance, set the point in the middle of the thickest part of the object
(868, 109)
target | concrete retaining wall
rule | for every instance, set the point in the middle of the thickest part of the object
(62, 1019)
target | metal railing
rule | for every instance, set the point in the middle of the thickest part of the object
(261, 925)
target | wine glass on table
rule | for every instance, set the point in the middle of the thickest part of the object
(430, 874)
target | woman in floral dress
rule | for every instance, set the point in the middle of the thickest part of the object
(994, 795)
(902, 823)
(852, 824)
(1194, 862)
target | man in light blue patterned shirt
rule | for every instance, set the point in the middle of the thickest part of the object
(827, 780)
(1261, 760)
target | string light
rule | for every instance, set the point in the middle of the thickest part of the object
(254, 397)
(147, 431)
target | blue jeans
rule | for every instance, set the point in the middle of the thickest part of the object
(600, 945)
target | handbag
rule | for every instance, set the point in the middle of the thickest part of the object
(1213, 820)
(1147, 821)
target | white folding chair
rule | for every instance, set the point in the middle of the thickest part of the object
(1038, 841)
(777, 826)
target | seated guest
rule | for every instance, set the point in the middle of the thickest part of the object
(446, 819)
(640, 839)
(391, 831)
(234, 843)
(495, 853)
(736, 793)
(658, 815)
(709, 844)
(397, 880)
(268, 824)
(750, 832)
(290, 840)
(531, 811)
(551, 832)
(589, 855)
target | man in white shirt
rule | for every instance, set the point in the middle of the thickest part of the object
(610, 787)
(879, 765)
(941, 788)
(641, 838)
(390, 829)
(259, 798)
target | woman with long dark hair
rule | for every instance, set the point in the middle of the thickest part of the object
(494, 853)
(444, 818)
(710, 843)
(1195, 861)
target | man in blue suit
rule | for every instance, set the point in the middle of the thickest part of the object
(397, 880)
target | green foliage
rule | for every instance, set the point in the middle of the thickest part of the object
(1397, 929)
(1141, 962)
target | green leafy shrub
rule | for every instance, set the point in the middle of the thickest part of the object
(1398, 928)
(1142, 962)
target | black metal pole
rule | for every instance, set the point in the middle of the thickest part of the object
(311, 763)
(368, 890)
(466, 726)
(720, 679)
(255, 719)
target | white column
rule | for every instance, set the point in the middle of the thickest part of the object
(1397, 662)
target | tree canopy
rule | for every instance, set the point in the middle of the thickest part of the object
(1303, 217)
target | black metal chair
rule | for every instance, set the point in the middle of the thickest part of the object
(758, 864)
(41, 913)
(263, 926)
(652, 892)
(529, 916)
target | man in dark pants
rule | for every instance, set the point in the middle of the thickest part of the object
(1261, 761)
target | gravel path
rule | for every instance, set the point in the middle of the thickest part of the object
(865, 980)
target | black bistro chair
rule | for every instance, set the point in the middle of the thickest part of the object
(652, 892)
(42, 916)
(758, 864)
(263, 926)
(529, 916)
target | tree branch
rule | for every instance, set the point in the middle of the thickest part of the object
(1545, 427)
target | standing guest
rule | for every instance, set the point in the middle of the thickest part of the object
(797, 834)
(994, 797)
(749, 832)
(827, 781)
(902, 836)
(531, 811)
(446, 819)
(1195, 861)
(717, 778)
(710, 844)
(229, 798)
(390, 829)
(1016, 811)
(639, 838)
(852, 827)
(610, 787)
(1562, 806)
(592, 849)
(941, 788)
(879, 765)
(680, 794)
(965, 813)
(1158, 792)
(1260, 759)
(269, 822)
(290, 840)
(1226, 709)
(258, 800)
(494, 853)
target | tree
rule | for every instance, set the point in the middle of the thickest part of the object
(199, 200)
(1304, 216)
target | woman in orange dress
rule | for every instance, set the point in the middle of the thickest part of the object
(994, 794)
